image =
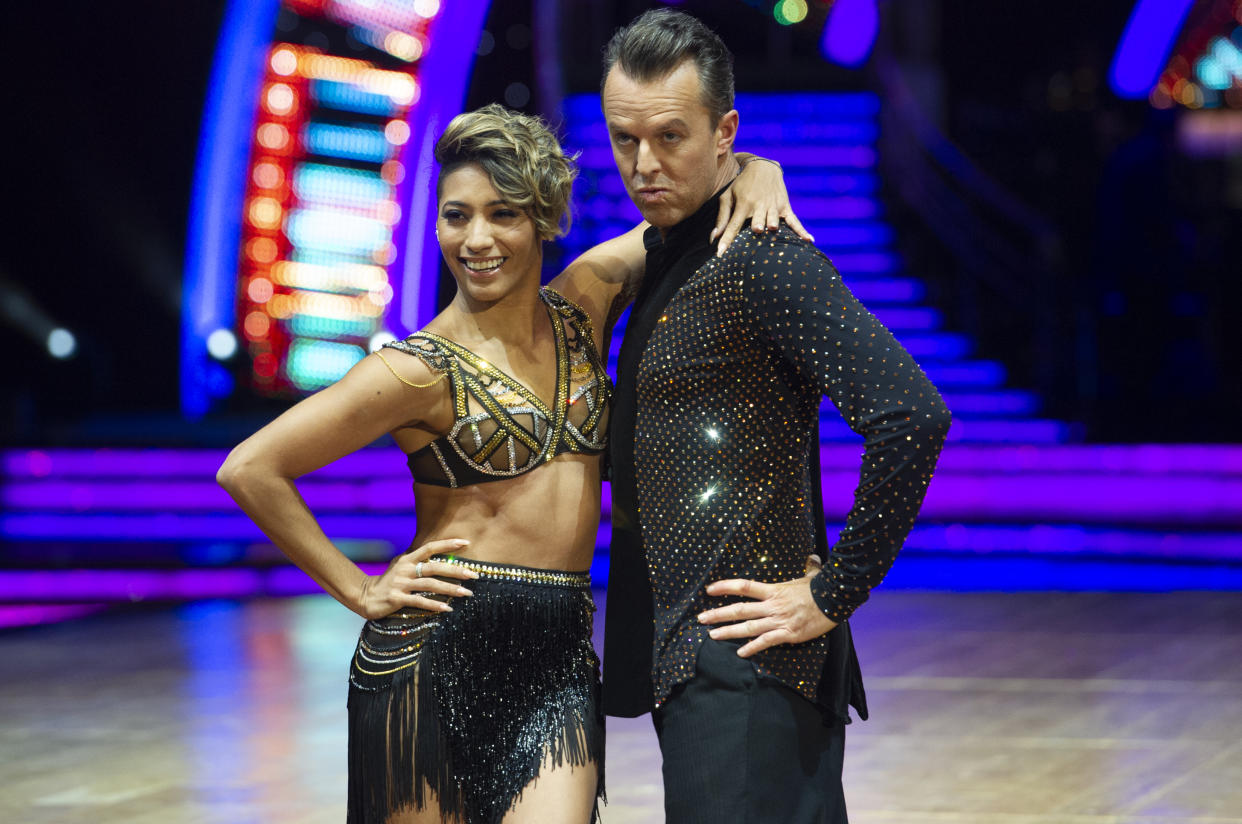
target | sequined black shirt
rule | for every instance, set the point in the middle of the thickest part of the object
(715, 470)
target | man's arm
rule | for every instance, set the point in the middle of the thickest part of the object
(807, 314)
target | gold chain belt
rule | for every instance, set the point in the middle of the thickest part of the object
(525, 575)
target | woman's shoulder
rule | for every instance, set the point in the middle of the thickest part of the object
(424, 345)
(431, 357)
(569, 310)
(562, 303)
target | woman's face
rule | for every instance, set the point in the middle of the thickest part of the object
(490, 246)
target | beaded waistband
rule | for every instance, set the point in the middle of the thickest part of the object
(521, 574)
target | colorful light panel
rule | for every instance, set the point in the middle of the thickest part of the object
(309, 160)
(1205, 71)
(320, 212)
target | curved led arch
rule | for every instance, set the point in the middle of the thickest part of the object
(1145, 45)
(310, 217)
(209, 281)
(849, 32)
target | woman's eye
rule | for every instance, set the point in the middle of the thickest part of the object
(506, 213)
(453, 215)
(670, 137)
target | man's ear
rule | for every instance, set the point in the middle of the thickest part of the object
(726, 133)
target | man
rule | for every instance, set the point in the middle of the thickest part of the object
(744, 658)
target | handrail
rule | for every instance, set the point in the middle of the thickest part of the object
(999, 242)
(993, 233)
(910, 114)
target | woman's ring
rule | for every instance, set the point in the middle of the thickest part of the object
(418, 570)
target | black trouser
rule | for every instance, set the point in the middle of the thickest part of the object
(746, 750)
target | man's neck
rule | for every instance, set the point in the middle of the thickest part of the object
(727, 169)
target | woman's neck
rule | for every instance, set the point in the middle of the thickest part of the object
(517, 320)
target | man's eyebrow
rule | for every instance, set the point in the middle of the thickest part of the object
(671, 123)
(675, 123)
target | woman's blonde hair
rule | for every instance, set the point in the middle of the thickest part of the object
(522, 157)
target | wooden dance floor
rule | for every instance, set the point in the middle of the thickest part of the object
(988, 708)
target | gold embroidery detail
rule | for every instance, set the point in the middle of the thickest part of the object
(439, 378)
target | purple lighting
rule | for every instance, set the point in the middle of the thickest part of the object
(819, 157)
(110, 494)
(169, 526)
(30, 615)
(388, 464)
(137, 585)
(1145, 45)
(865, 262)
(193, 496)
(1071, 539)
(900, 318)
(850, 32)
(1190, 501)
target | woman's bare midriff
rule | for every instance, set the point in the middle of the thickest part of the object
(547, 518)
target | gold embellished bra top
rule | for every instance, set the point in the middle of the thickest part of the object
(502, 429)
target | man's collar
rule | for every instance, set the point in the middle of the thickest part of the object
(689, 232)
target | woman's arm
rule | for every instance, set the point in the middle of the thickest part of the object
(757, 193)
(604, 279)
(260, 472)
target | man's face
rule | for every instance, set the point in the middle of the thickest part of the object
(670, 154)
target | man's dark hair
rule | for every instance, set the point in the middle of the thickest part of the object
(659, 41)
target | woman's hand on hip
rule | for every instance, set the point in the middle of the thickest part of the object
(412, 578)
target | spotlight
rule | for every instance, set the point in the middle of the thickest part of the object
(379, 339)
(222, 344)
(61, 343)
(789, 12)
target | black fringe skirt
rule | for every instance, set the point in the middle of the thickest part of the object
(469, 703)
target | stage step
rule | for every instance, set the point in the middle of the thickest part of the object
(152, 494)
(90, 527)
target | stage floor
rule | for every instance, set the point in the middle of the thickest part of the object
(987, 708)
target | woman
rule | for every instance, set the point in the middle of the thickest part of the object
(474, 674)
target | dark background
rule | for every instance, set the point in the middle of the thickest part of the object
(1140, 247)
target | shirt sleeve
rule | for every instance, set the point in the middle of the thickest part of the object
(840, 349)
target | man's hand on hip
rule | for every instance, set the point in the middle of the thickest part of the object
(783, 613)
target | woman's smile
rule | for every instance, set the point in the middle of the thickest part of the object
(483, 266)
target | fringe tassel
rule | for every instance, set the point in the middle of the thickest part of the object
(509, 679)
(389, 729)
